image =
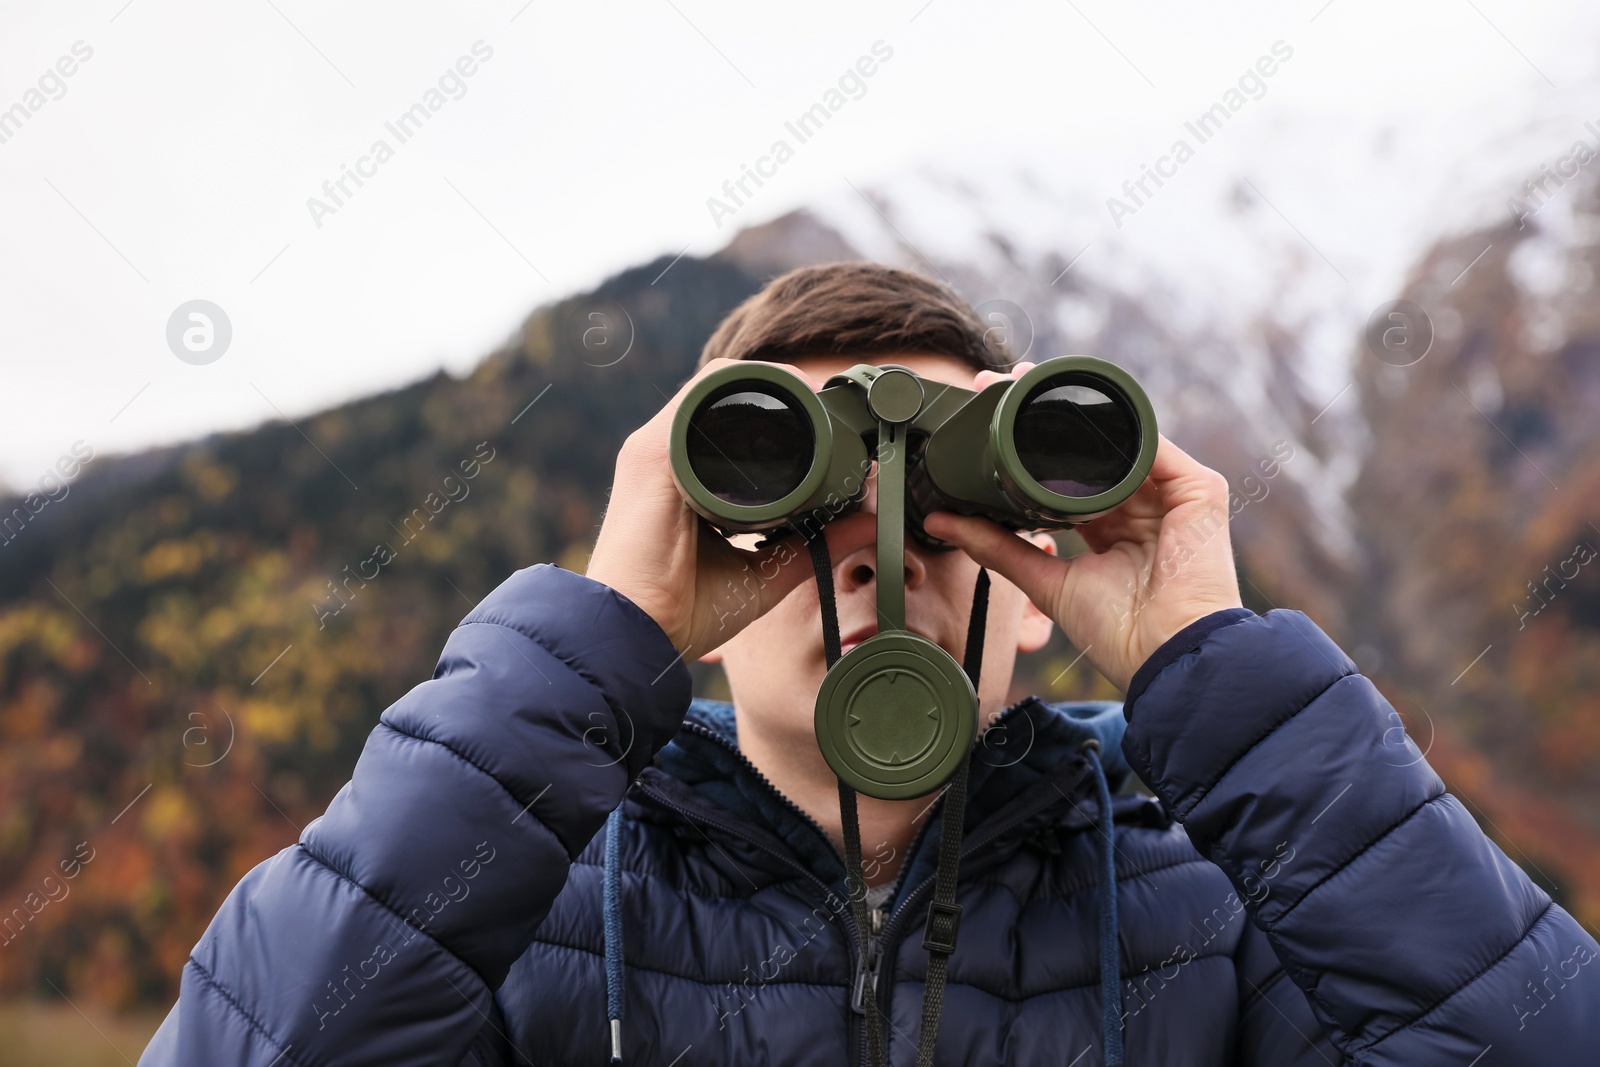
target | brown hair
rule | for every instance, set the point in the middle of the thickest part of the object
(864, 309)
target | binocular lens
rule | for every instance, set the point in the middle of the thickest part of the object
(749, 447)
(1076, 435)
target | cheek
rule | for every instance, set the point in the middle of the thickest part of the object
(1005, 617)
(955, 570)
(1009, 613)
(782, 631)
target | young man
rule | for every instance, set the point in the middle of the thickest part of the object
(1303, 892)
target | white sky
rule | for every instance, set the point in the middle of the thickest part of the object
(179, 160)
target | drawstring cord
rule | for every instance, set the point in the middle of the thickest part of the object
(613, 923)
(1110, 973)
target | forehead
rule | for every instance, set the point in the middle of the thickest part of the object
(935, 367)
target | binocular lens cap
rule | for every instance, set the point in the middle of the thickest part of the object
(896, 716)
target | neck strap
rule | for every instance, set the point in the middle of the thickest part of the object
(944, 914)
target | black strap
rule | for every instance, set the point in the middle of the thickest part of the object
(944, 914)
(855, 875)
(830, 609)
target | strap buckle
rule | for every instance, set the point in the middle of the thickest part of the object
(944, 922)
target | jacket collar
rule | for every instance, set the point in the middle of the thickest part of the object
(1030, 744)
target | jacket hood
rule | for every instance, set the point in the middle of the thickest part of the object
(1028, 743)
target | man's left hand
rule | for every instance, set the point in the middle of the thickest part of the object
(1160, 561)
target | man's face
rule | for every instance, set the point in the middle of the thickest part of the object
(776, 665)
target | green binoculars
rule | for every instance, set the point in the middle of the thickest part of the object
(754, 448)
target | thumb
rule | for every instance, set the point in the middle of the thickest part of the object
(1025, 565)
(781, 567)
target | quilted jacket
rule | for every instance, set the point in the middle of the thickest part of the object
(1300, 890)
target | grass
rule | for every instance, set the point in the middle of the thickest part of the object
(38, 1032)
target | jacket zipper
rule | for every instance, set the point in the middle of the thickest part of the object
(865, 969)
(887, 942)
(845, 918)
(866, 983)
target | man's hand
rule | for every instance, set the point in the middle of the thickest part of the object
(654, 550)
(1160, 561)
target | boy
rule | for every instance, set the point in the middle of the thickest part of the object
(1303, 892)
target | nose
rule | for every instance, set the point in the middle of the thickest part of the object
(857, 570)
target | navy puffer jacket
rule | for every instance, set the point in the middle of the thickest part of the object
(1303, 892)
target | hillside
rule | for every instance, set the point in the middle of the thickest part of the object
(195, 642)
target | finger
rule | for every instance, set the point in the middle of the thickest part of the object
(1028, 567)
(815, 385)
(1138, 518)
(989, 377)
(780, 568)
(1173, 468)
(786, 565)
(1176, 478)
(671, 407)
(1108, 530)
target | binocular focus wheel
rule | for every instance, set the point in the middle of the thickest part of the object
(896, 716)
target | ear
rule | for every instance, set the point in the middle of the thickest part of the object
(1036, 626)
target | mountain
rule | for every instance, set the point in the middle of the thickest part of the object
(1480, 532)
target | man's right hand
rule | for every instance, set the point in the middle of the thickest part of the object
(655, 551)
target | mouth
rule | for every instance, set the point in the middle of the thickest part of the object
(860, 634)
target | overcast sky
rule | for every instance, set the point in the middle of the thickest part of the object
(179, 158)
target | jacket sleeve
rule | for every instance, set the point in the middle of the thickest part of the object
(381, 935)
(1276, 1027)
(1413, 938)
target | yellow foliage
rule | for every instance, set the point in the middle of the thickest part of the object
(538, 339)
(520, 487)
(212, 481)
(170, 631)
(268, 721)
(219, 626)
(435, 547)
(172, 559)
(168, 814)
(43, 627)
(102, 580)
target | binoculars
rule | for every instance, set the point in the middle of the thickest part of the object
(755, 449)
